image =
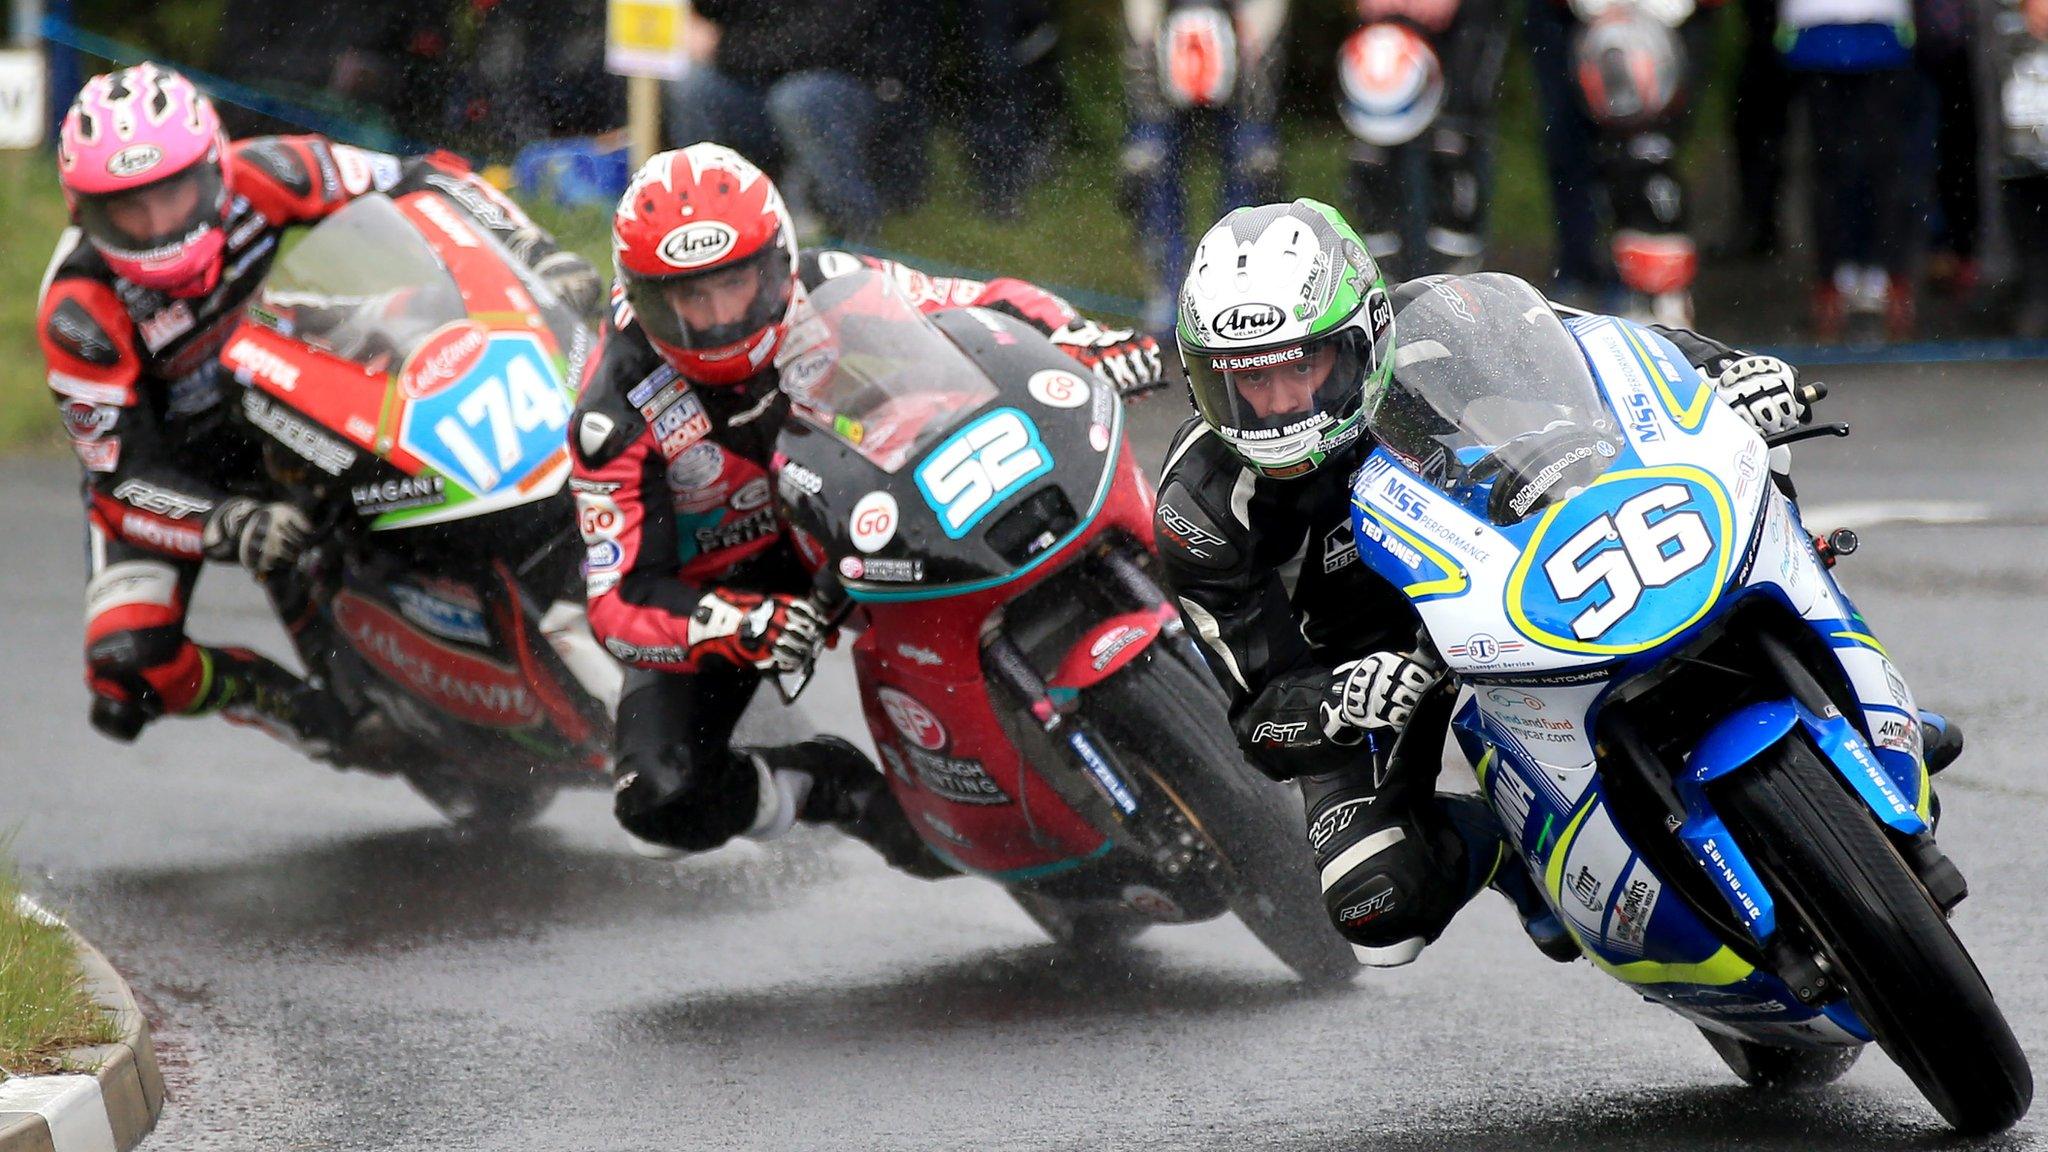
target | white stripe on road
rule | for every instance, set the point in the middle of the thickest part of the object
(70, 1105)
(1871, 513)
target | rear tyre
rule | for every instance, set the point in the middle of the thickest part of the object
(475, 806)
(1823, 854)
(1781, 1069)
(1166, 723)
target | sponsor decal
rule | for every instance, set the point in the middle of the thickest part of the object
(161, 501)
(1335, 820)
(873, 522)
(753, 494)
(354, 168)
(1110, 643)
(736, 533)
(1274, 732)
(474, 201)
(1058, 388)
(1098, 437)
(945, 831)
(911, 719)
(1543, 481)
(949, 778)
(1104, 775)
(795, 478)
(1260, 360)
(1513, 698)
(445, 608)
(917, 655)
(696, 244)
(645, 654)
(1481, 648)
(852, 567)
(1630, 923)
(697, 468)
(100, 455)
(1728, 877)
(461, 684)
(1340, 549)
(87, 422)
(593, 487)
(603, 556)
(134, 160)
(397, 495)
(332, 456)
(681, 424)
(643, 392)
(183, 539)
(894, 571)
(441, 216)
(1185, 532)
(1249, 321)
(442, 359)
(79, 388)
(1587, 889)
(252, 361)
(1370, 908)
(1398, 547)
(1641, 413)
(166, 324)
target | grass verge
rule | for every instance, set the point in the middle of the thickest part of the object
(44, 1008)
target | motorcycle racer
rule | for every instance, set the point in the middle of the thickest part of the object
(1323, 675)
(691, 577)
(173, 229)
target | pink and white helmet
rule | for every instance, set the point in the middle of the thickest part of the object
(142, 158)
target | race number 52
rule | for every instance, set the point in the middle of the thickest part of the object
(965, 478)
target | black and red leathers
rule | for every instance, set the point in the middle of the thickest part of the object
(147, 403)
(673, 487)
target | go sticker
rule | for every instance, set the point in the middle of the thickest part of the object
(1058, 388)
(873, 523)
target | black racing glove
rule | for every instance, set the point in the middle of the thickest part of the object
(260, 537)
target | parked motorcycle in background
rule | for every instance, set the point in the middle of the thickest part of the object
(1637, 63)
(1416, 85)
(1041, 715)
(410, 382)
(1701, 752)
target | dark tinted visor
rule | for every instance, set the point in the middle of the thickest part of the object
(1277, 388)
(140, 223)
(699, 311)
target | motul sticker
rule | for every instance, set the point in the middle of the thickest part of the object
(465, 686)
(442, 359)
(912, 720)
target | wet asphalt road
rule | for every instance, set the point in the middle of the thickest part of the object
(329, 968)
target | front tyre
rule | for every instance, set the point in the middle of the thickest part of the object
(1168, 725)
(1822, 853)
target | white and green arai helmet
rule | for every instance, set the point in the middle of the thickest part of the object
(1285, 327)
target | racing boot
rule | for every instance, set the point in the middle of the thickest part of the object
(826, 780)
(250, 689)
(1494, 861)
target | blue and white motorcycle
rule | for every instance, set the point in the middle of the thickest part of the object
(1697, 746)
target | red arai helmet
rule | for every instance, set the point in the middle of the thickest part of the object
(705, 256)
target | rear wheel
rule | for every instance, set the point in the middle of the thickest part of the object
(1822, 853)
(1781, 1069)
(1167, 723)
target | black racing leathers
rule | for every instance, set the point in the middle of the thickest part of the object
(1226, 538)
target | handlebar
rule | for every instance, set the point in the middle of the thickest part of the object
(832, 603)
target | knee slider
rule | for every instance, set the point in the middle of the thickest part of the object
(132, 654)
(1389, 897)
(665, 798)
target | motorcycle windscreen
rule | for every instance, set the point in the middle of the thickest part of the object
(479, 404)
(1491, 399)
(869, 369)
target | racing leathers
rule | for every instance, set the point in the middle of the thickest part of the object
(170, 480)
(1317, 690)
(694, 580)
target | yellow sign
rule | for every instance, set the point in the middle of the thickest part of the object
(645, 38)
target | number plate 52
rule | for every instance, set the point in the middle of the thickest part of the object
(974, 470)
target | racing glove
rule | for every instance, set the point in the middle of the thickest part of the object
(260, 537)
(1765, 391)
(1379, 692)
(1125, 360)
(574, 280)
(747, 629)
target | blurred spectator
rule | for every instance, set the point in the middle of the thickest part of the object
(1853, 59)
(1943, 47)
(1017, 105)
(1568, 137)
(1192, 65)
(823, 89)
(538, 71)
(384, 54)
(2021, 52)
(1761, 114)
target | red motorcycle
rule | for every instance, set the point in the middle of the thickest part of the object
(973, 510)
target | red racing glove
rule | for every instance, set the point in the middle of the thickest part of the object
(747, 629)
(1125, 360)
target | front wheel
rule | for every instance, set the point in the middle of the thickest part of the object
(1168, 725)
(1822, 854)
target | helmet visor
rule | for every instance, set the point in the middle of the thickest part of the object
(155, 220)
(721, 306)
(1274, 404)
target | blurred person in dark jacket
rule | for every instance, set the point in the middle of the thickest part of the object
(830, 87)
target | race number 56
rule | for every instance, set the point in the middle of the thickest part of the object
(965, 478)
(1652, 554)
